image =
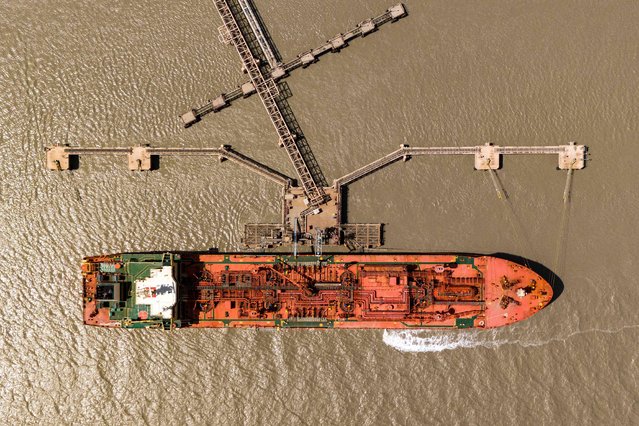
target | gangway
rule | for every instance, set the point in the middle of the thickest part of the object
(259, 33)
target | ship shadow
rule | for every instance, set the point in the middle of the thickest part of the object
(543, 271)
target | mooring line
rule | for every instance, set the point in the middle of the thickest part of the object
(501, 194)
(562, 239)
(513, 219)
(567, 189)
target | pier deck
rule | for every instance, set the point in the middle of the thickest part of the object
(570, 157)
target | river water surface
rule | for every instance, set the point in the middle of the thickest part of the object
(118, 73)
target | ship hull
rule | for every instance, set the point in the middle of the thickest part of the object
(390, 291)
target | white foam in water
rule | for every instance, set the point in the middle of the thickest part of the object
(424, 341)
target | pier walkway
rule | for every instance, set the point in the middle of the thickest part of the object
(267, 90)
(140, 158)
(258, 31)
(280, 71)
(487, 157)
(570, 157)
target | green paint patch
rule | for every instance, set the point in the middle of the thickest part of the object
(145, 324)
(307, 324)
(291, 260)
(426, 326)
(465, 260)
(465, 322)
(143, 257)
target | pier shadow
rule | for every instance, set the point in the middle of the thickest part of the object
(248, 34)
(284, 89)
(553, 279)
(265, 30)
(74, 162)
(500, 184)
(155, 162)
(302, 144)
(343, 204)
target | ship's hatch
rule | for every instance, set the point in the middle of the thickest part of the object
(158, 292)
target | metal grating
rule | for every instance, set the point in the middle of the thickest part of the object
(267, 90)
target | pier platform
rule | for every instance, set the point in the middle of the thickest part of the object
(301, 223)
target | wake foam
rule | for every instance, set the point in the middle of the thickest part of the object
(433, 341)
(425, 341)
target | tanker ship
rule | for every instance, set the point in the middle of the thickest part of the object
(391, 291)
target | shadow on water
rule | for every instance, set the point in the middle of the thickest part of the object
(249, 36)
(74, 162)
(265, 31)
(343, 204)
(155, 162)
(499, 185)
(553, 279)
(300, 139)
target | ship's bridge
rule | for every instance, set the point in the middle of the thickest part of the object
(158, 292)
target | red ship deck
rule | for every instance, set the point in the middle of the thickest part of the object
(337, 290)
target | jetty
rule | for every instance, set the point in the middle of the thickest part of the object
(296, 210)
(312, 211)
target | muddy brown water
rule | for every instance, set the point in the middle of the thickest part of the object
(119, 73)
